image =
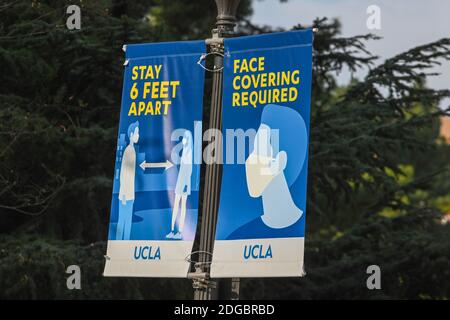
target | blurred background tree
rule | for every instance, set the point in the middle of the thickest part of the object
(378, 181)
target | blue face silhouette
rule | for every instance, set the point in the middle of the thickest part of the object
(274, 164)
(292, 137)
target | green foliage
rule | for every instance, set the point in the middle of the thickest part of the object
(412, 252)
(378, 175)
(36, 270)
(372, 127)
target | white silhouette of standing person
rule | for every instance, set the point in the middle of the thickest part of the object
(126, 190)
(183, 186)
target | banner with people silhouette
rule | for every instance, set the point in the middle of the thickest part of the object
(155, 198)
(266, 110)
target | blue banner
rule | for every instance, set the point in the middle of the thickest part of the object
(154, 206)
(266, 111)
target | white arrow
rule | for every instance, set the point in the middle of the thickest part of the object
(165, 165)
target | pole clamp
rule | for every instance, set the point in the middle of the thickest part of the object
(203, 58)
(200, 277)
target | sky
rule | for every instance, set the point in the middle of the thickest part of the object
(404, 24)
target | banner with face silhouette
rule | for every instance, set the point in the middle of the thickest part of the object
(266, 110)
(154, 207)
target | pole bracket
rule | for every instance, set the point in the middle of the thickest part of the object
(203, 57)
(200, 277)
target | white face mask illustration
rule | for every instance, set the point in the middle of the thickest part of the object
(257, 170)
(261, 167)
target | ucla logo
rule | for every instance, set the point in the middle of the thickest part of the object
(257, 252)
(147, 253)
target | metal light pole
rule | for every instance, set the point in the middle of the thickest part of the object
(226, 21)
